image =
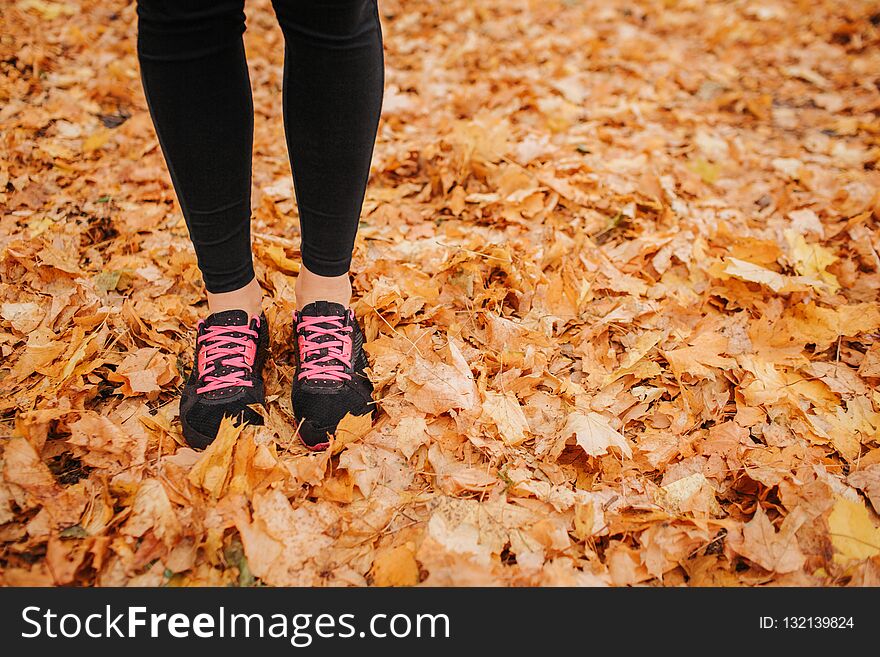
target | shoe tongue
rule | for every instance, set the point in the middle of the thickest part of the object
(323, 309)
(228, 318)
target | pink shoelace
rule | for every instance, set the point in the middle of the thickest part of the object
(219, 348)
(337, 349)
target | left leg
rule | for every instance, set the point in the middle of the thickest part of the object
(333, 79)
(333, 83)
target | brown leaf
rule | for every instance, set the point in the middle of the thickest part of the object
(593, 434)
(774, 551)
(454, 477)
(437, 388)
(505, 412)
(868, 481)
(101, 443)
(33, 486)
(153, 511)
(285, 546)
(145, 372)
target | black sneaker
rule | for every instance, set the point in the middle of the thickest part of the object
(226, 376)
(329, 381)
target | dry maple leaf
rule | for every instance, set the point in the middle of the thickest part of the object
(436, 388)
(410, 434)
(868, 481)
(693, 493)
(760, 543)
(285, 546)
(870, 365)
(145, 372)
(351, 428)
(504, 410)
(852, 531)
(23, 317)
(153, 511)
(455, 477)
(101, 443)
(593, 434)
(370, 465)
(212, 470)
(812, 260)
(32, 485)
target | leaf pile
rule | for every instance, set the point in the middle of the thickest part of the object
(618, 269)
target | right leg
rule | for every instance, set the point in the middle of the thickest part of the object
(196, 83)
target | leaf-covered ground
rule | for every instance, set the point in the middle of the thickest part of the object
(618, 269)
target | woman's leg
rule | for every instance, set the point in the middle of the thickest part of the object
(333, 83)
(333, 79)
(197, 87)
(196, 82)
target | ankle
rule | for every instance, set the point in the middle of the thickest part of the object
(248, 298)
(310, 287)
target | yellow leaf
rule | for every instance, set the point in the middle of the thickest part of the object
(702, 357)
(643, 344)
(48, 10)
(152, 510)
(396, 567)
(759, 542)
(77, 357)
(350, 429)
(411, 433)
(212, 470)
(707, 171)
(854, 536)
(811, 259)
(279, 257)
(96, 141)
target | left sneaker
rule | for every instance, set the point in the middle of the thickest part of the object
(227, 375)
(329, 381)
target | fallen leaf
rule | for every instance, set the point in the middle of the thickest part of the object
(853, 534)
(145, 372)
(693, 493)
(396, 566)
(868, 481)
(411, 433)
(153, 511)
(438, 388)
(454, 477)
(351, 428)
(775, 551)
(504, 410)
(212, 471)
(594, 435)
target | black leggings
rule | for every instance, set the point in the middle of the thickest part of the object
(197, 87)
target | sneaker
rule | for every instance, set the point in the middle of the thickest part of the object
(329, 381)
(226, 375)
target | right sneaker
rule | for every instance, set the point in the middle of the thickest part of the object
(329, 381)
(227, 375)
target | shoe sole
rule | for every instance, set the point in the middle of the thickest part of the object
(193, 438)
(198, 440)
(307, 432)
